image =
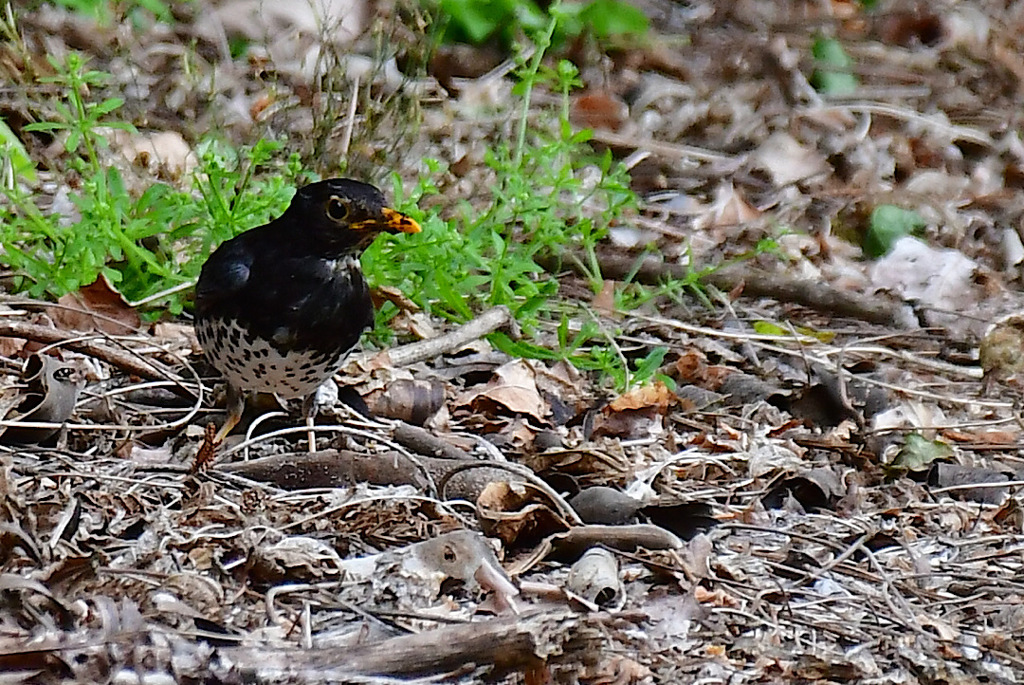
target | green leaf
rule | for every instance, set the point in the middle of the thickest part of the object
(476, 19)
(107, 106)
(837, 80)
(43, 126)
(71, 144)
(521, 348)
(159, 9)
(918, 452)
(769, 328)
(613, 18)
(889, 223)
(646, 367)
(13, 150)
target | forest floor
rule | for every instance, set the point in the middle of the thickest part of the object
(792, 469)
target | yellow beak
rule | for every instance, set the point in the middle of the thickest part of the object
(392, 221)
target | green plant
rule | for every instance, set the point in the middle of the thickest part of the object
(480, 21)
(17, 162)
(59, 258)
(832, 75)
(552, 197)
(887, 224)
(543, 181)
(105, 11)
(144, 243)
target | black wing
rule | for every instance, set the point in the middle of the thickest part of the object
(224, 276)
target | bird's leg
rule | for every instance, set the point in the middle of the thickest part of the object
(309, 409)
(235, 404)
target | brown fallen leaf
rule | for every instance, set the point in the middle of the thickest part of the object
(984, 437)
(598, 110)
(637, 413)
(412, 401)
(95, 307)
(729, 208)
(656, 395)
(717, 597)
(515, 512)
(12, 348)
(512, 388)
(604, 301)
(181, 335)
(692, 367)
(618, 670)
(633, 424)
(395, 296)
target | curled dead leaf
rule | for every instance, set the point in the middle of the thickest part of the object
(516, 512)
(512, 388)
(412, 401)
(50, 392)
(730, 208)
(164, 153)
(786, 160)
(296, 558)
(637, 413)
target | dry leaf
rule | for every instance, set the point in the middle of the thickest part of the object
(940, 280)
(164, 153)
(604, 301)
(618, 670)
(598, 110)
(514, 388)
(50, 393)
(729, 208)
(95, 307)
(412, 401)
(786, 160)
(516, 512)
(654, 395)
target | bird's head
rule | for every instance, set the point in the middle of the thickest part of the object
(344, 216)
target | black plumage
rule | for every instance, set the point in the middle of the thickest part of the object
(279, 306)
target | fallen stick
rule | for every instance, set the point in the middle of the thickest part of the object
(755, 282)
(488, 648)
(479, 651)
(341, 468)
(485, 324)
(126, 361)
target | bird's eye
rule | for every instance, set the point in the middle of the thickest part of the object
(337, 209)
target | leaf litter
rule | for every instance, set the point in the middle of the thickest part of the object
(836, 506)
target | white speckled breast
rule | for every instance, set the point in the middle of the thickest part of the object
(253, 364)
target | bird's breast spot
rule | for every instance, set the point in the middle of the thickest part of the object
(255, 364)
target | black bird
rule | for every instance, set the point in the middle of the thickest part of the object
(279, 306)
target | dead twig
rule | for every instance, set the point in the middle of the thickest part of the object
(755, 282)
(488, 322)
(126, 361)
